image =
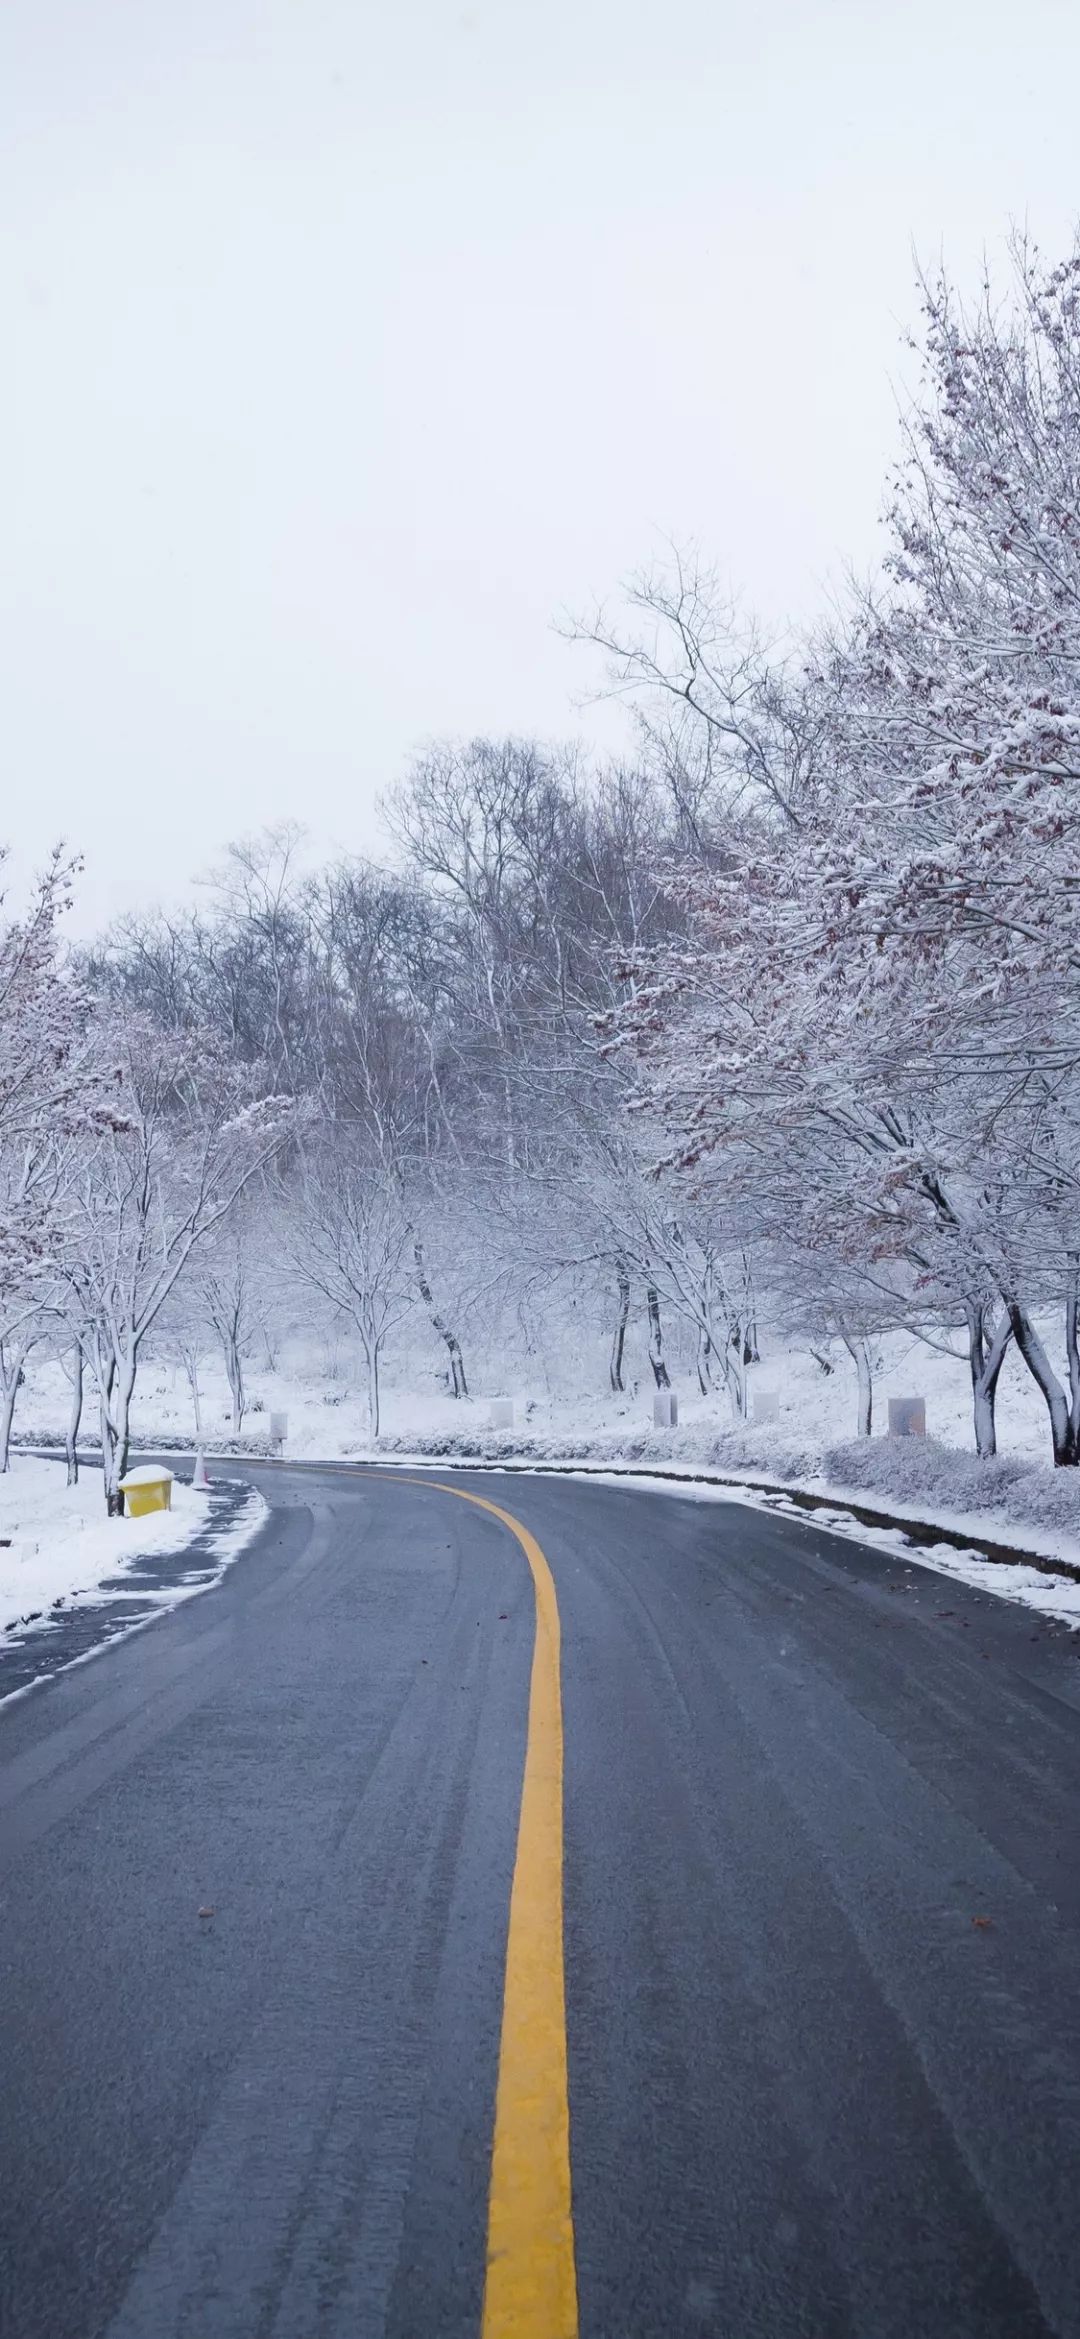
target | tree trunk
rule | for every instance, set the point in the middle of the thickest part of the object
(191, 1362)
(865, 1389)
(7, 1408)
(370, 1342)
(987, 1347)
(618, 1338)
(656, 1339)
(736, 1369)
(235, 1369)
(74, 1422)
(11, 1366)
(860, 1354)
(116, 1396)
(1062, 1425)
(751, 1351)
(106, 1375)
(1072, 1343)
(458, 1384)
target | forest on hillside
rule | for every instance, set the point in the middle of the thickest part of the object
(773, 1023)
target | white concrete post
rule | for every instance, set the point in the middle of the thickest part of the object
(279, 1430)
(907, 1417)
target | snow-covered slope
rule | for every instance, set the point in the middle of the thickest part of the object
(57, 1545)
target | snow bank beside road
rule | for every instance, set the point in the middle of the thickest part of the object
(1050, 1595)
(1007, 1501)
(60, 1546)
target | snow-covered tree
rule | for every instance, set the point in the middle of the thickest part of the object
(351, 1242)
(225, 1294)
(149, 1193)
(58, 1095)
(873, 1022)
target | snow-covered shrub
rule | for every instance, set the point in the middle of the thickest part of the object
(936, 1479)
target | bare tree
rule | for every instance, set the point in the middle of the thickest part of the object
(351, 1242)
(148, 1195)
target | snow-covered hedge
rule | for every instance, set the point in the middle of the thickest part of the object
(918, 1472)
(172, 1441)
(694, 1447)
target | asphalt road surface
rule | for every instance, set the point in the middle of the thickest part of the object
(819, 1931)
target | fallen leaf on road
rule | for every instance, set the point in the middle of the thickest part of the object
(983, 1923)
(206, 1912)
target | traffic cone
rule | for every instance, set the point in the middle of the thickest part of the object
(199, 1475)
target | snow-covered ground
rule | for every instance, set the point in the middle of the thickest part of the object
(563, 1397)
(57, 1545)
(1017, 1500)
(564, 1414)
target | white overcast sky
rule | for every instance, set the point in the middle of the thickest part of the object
(346, 344)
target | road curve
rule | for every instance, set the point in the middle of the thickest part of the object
(821, 1933)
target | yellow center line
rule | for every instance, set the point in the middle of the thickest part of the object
(530, 2291)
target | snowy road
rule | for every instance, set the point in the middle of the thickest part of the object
(822, 1934)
